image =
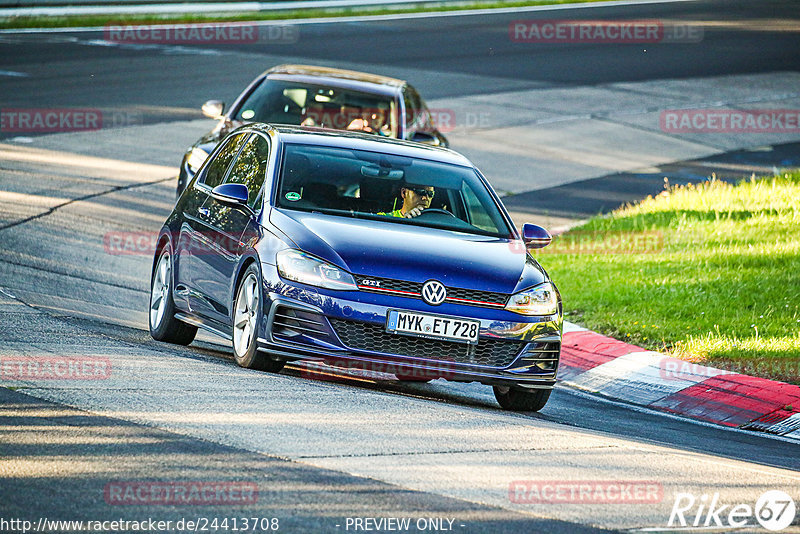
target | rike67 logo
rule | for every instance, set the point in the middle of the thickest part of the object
(774, 510)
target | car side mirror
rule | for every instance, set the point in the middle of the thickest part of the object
(236, 194)
(213, 109)
(535, 236)
(425, 138)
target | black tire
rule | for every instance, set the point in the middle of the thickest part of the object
(163, 324)
(245, 345)
(521, 400)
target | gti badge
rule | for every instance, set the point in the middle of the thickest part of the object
(370, 283)
(433, 292)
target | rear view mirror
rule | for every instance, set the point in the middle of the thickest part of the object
(535, 236)
(381, 172)
(231, 194)
(213, 109)
(426, 138)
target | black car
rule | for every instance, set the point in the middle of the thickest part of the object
(289, 242)
(319, 96)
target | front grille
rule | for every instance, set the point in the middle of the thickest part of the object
(469, 297)
(495, 299)
(389, 284)
(487, 353)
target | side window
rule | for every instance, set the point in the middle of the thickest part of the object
(412, 105)
(215, 172)
(250, 168)
(418, 118)
(476, 213)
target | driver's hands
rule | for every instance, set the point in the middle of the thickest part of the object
(415, 212)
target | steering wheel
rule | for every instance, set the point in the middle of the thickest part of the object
(435, 211)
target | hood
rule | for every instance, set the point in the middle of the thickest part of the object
(412, 253)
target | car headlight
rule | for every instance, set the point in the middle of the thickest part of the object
(540, 300)
(306, 269)
(196, 158)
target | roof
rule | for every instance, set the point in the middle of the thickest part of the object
(360, 141)
(319, 74)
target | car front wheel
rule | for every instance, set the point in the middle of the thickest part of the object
(520, 399)
(247, 314)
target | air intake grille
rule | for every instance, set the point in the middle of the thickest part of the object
(290, 322)
(488, 352)
(540, 357)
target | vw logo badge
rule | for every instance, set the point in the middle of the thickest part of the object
(433, 292)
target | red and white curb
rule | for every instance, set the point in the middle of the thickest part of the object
(618, 370)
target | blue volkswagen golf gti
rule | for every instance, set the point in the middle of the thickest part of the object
(345, 248)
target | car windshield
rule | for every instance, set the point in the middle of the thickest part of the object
(356, 183)
(286, 102)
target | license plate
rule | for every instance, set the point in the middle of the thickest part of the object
(433, 326)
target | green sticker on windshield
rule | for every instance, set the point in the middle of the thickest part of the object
(292, 196)
(248, 114)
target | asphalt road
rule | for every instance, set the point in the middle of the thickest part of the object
(452, 56)
(319, 451)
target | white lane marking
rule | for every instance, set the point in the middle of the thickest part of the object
(6, 293)
(167, 49)
(397, 16)
(14, 74)
(61, 11)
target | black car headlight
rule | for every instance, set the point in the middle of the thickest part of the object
(540, 300)
(196, 158)
(304, 268)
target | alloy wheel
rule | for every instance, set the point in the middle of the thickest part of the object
(160, 290)
(245, 315)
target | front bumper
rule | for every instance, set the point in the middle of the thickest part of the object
(347, 329)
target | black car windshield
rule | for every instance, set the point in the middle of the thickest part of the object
(356, 183)
(286, 102)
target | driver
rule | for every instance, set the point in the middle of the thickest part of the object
(415, 200)
(372, 121)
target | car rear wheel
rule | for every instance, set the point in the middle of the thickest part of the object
(163, 324)
(247, 314)
(521, 400)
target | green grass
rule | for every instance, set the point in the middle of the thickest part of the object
(102, 20)
(722, 286)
